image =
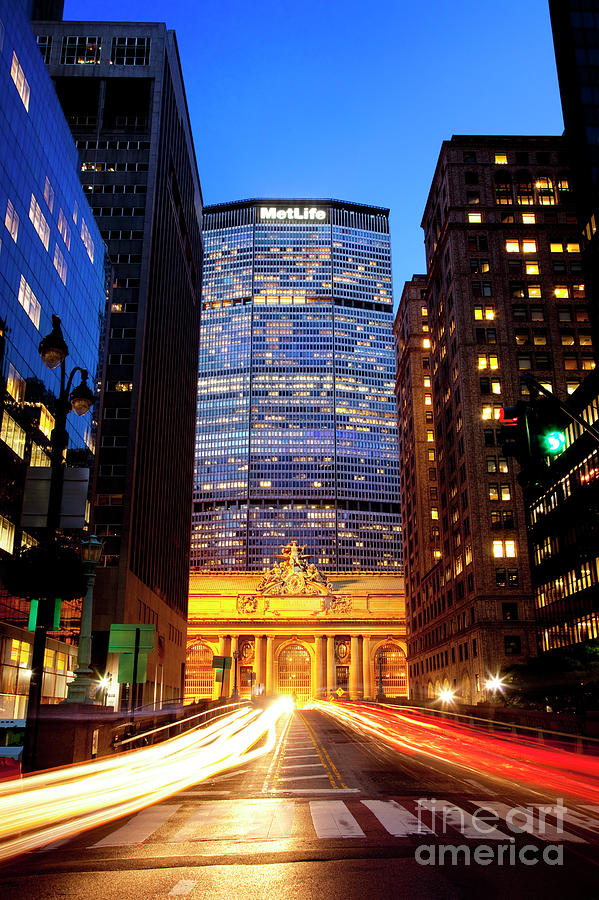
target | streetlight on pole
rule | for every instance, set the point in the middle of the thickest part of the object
(235, 694)
(53, 351)
(381, 693)
(79, 690)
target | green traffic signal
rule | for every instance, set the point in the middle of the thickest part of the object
(554, 442)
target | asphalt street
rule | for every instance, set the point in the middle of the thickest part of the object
(330, 812)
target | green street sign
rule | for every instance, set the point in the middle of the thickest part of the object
(126, 664)
(220, 675)
(44, 612)
(122, 638)
(221, 662)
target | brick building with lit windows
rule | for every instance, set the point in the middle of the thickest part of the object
(504, 297)
(121, 88)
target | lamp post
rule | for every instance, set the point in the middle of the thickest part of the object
(380, 693)
(53, 351)
(235, 694)
(79, 690)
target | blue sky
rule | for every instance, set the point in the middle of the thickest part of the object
(324, 98)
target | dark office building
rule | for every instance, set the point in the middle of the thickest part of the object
(122, 92)
(296, 428)
(51, 263)
(575, 26)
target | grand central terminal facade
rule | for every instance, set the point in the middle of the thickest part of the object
(297, 632)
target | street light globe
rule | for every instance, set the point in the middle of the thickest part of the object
(446, 695)
(494, 683)
(82, 397)
(52, 348)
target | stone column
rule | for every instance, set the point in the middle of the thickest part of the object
(270, 664)
(319, 683)
(331, 671)
(354, 668)
(258, 667)
(234, 647)
(366, 665)
(217, 684)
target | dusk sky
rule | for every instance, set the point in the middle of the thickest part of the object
(349, 99)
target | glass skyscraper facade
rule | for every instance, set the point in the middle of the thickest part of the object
(52, 262)
(296, 430)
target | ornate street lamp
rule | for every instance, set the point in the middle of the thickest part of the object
(79, 690)
(235, 694)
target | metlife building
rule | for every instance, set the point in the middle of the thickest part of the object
(296, 429)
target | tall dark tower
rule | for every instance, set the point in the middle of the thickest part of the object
(122, 92)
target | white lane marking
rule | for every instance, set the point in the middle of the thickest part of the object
(332, 819)
(140, 827)
(303, 766)
(481, 787)
(525, 820)
(303, 777)
(300, 755)
(182, 888)
(335, 791)
(396, 819)
(447, 813)
(574, 817)
(259, 820)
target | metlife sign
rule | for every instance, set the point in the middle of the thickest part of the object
(292, 214)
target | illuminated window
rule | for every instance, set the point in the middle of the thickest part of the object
(434, 512)
(64, 230)
(13, 435)
(7, 537)
(39, 222)
(46, 424)
(556, 247)
(60, 264)
(534, 291)
(87, 240)
(573, 247)
(512, 246)
(39, 457)
(531, 268)
(510, 548)
(426, 342)
(29, 302)
(493, 362)
(428, 400)
(493, 491)
(15, 384)
(11, 221)
(498, 549)
(571, 386)
(539, 338)
(487, 412)
(21, 83)
(495, 386)
(430, 437)
(561, 291)
(588, 363)
(506, 492)
(578, 291)
(49, 194)
(501, 159)
(528, 218)
(475, 218)
(529, 246)
(80, 50)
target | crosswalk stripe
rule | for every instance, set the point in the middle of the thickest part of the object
(520, 821)
(140, 827)
(332, 818)
(581, 820)
(447, 813)
(258, 820)
(182, 888)
(396, 819)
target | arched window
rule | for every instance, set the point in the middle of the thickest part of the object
(199, 674)
(525, 192)
(295, 672)
(503, 189)
(545, 191)
(393, 670)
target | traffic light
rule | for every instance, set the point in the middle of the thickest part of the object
(548, 427)
(514, 435)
